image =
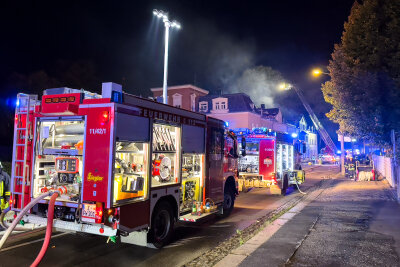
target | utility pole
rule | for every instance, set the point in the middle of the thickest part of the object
(394, 163)
(342, 154)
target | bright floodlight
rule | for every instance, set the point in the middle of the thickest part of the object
(284, 86)
(175, 24)
(167, 24)
(294, 135)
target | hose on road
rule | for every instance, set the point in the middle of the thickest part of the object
(5, 225)
(49, 230)
(298, 187)
(21, 215)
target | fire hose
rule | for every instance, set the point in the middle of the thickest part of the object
(50, 216)
(298, 187)
(5, 225)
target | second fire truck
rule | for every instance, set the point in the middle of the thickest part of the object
(271, 160)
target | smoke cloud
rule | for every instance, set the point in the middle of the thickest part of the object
(230, 65)
(260, 83)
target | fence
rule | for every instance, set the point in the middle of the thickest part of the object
(384, 166)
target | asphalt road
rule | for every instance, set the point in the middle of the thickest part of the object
(190, 240)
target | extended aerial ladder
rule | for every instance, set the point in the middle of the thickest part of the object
(320, 128)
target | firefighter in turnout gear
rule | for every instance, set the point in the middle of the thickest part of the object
(4, 189)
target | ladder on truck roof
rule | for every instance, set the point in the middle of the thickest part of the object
(23, 141)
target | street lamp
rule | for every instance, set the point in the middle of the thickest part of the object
(317, 72)
(168, 24)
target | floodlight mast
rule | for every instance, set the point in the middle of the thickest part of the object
(167, 24)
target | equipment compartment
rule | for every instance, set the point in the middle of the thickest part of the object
(58, 158)
(130, 179)
(191, 180)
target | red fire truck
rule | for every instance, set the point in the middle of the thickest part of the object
(123, 165)
(270, 160)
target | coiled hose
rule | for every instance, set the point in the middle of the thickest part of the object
(5, 225)
(49, 229)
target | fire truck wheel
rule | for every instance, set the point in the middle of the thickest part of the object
(162, 225)
(229, 201)
(285, 184)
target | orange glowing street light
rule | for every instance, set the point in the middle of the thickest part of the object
(317, 72)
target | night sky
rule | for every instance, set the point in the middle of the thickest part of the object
(123, 42)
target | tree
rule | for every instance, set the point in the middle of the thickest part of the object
(364, 89)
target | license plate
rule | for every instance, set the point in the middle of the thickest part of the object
(89, 212)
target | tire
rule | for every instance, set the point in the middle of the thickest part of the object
(162, 225)
(229, 201)
(285, 185)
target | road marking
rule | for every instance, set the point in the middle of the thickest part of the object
(31, 242)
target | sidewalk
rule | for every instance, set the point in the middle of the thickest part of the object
(348, 224)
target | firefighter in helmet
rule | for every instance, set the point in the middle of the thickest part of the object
(4, 188)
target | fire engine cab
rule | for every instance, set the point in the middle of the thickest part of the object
(122, 165)
(269, 160)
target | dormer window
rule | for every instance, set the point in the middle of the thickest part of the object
(203, 106)
(220, 105)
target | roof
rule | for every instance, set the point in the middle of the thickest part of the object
(181, 87)
(271, 111)
(238, 102)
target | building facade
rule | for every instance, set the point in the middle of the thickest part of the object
(182, 96)
(239, 111)
(310, 139)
